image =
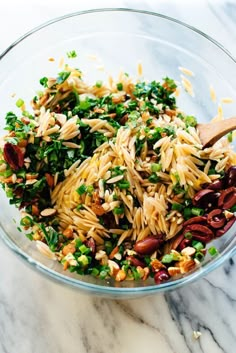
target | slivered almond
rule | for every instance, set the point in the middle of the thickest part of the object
(48, 212)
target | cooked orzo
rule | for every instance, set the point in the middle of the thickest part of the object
(112, 179)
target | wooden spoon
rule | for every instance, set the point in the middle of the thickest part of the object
(212, 132)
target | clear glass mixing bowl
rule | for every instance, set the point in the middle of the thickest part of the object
(119, 38)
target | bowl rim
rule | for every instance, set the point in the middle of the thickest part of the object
(96, 288)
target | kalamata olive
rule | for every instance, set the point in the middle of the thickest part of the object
(231, 176)
(161, 276)
(200, 196)
(227, 198)
(184, 243)
(216, 185)
(216, 218)
(197, 220)
(90, 243)
(228, 225)
(13, 155)
(135, 262)
(200, 232)
(148, 245)
(205, 198)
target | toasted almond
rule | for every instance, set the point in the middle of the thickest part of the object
(196, 334)
(44, 249)
(188, 251)
(69, 249)
(48, 212)
(114, 252)
(68, 233)
(228, 214)
(157, 265)
(114, 267)
(146, 273)
(121, 275)
(186, 265)
(31, 176)
(174, 271)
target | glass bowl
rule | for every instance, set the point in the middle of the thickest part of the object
(120, 38)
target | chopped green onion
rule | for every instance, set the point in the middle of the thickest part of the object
(155, 167)
(119, 210)
(233, 209)
(62, 76)
(199, 256)
(230, 136)
(71, 54)
(82, 189)
(79, 207)
(95, 272)
(187, 212)
(99, 84)
(26, 221)
(213, 251)
(83, 248)
(167, 259)
(44, 82)
(197, 211)
(188, 235)
(83, 260)
(177, 207)
(19, 103)
(90, 189)
(119, 86)
(197, 245)
(123, 184)
(153, 178)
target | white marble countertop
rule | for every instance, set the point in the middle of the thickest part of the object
(38, 316)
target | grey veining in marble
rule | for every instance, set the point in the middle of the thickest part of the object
(39, 316)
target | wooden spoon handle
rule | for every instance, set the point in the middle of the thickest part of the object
(212, 132)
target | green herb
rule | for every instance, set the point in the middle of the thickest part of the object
(20, 102)
(177, 207)
(213, 251)
(119, 86)
(71, 54)
(44, 82)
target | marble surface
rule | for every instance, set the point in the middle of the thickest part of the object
(39, 316)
